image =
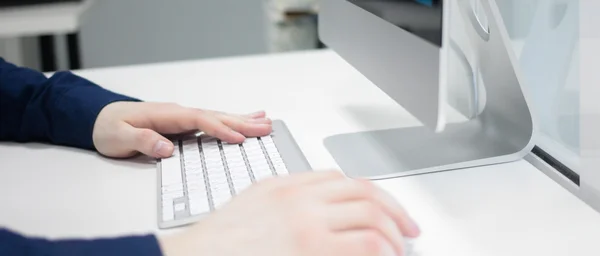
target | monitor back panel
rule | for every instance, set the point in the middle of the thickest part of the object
(375, 44)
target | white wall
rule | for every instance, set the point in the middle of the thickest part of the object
(123, 32)
(22, 51)
(10, 50)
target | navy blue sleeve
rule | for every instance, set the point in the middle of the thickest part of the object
(14, 244)
(60, 110)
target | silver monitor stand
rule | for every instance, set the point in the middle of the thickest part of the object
(502, 131)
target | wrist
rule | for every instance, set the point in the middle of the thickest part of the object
(174, 245)
(167, 245)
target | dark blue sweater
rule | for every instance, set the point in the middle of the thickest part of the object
(61, 110)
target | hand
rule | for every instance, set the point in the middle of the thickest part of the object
(123, 129)
(309, 214)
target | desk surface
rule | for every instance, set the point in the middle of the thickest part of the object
(41, 19)
(509, 209)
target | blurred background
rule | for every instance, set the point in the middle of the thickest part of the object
(100, 33)
(49, 35)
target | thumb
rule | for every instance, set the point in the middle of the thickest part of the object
(149, 142)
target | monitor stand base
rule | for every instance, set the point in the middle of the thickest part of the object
(409, 151)
(502, 132)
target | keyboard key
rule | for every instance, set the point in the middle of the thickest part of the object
(251, 143)
(281, 170)
(279, 165)
(215, 166)
(216, 173)
(167, 210)
(195, 183)
(220, 200)
(198, 203)
(173, 195)
(194, 175)
(199, 206)
(193, 179)
(257, 160)
(171, 170)
(240, 179)
(172, 189)
(196, 187)
(262, 174)
(193, 167)
(189, 148)
(179, 207)
(219, 186)
(217, 178)
(191, 153)
(219, 183)
(213, 158)
(168, 214)
(237, 167)
(197, 174)
(274, 155)
(258, 157)
(167, 202)
(238, 171)
(241, 184)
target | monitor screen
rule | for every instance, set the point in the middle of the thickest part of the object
(423, 18)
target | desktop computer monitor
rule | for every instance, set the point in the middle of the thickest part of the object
(380, 36)
(411, 50)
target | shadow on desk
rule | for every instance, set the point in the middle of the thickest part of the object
(134, 161)
(401, 151)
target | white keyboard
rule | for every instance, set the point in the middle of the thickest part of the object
(205, 173)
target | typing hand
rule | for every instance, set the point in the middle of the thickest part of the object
(123, 129)
(308, 214)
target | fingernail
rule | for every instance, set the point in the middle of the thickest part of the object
(414, 227)
(162, 148)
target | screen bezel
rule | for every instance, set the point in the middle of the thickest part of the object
(442, 6)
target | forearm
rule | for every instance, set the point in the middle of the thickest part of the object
(61, 109)
(14, 244)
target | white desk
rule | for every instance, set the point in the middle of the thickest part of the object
(510, 209)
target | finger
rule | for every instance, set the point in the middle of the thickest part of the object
(302, 179)
(259, 121)
(406, 224)
(351, 189)
(167, 118)
(365, 215)
(246, 128)
(214, 127)
(254, 118)
(256, 115)
(362, 243)
(147, 142)
(170, 119)
(342, 190)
